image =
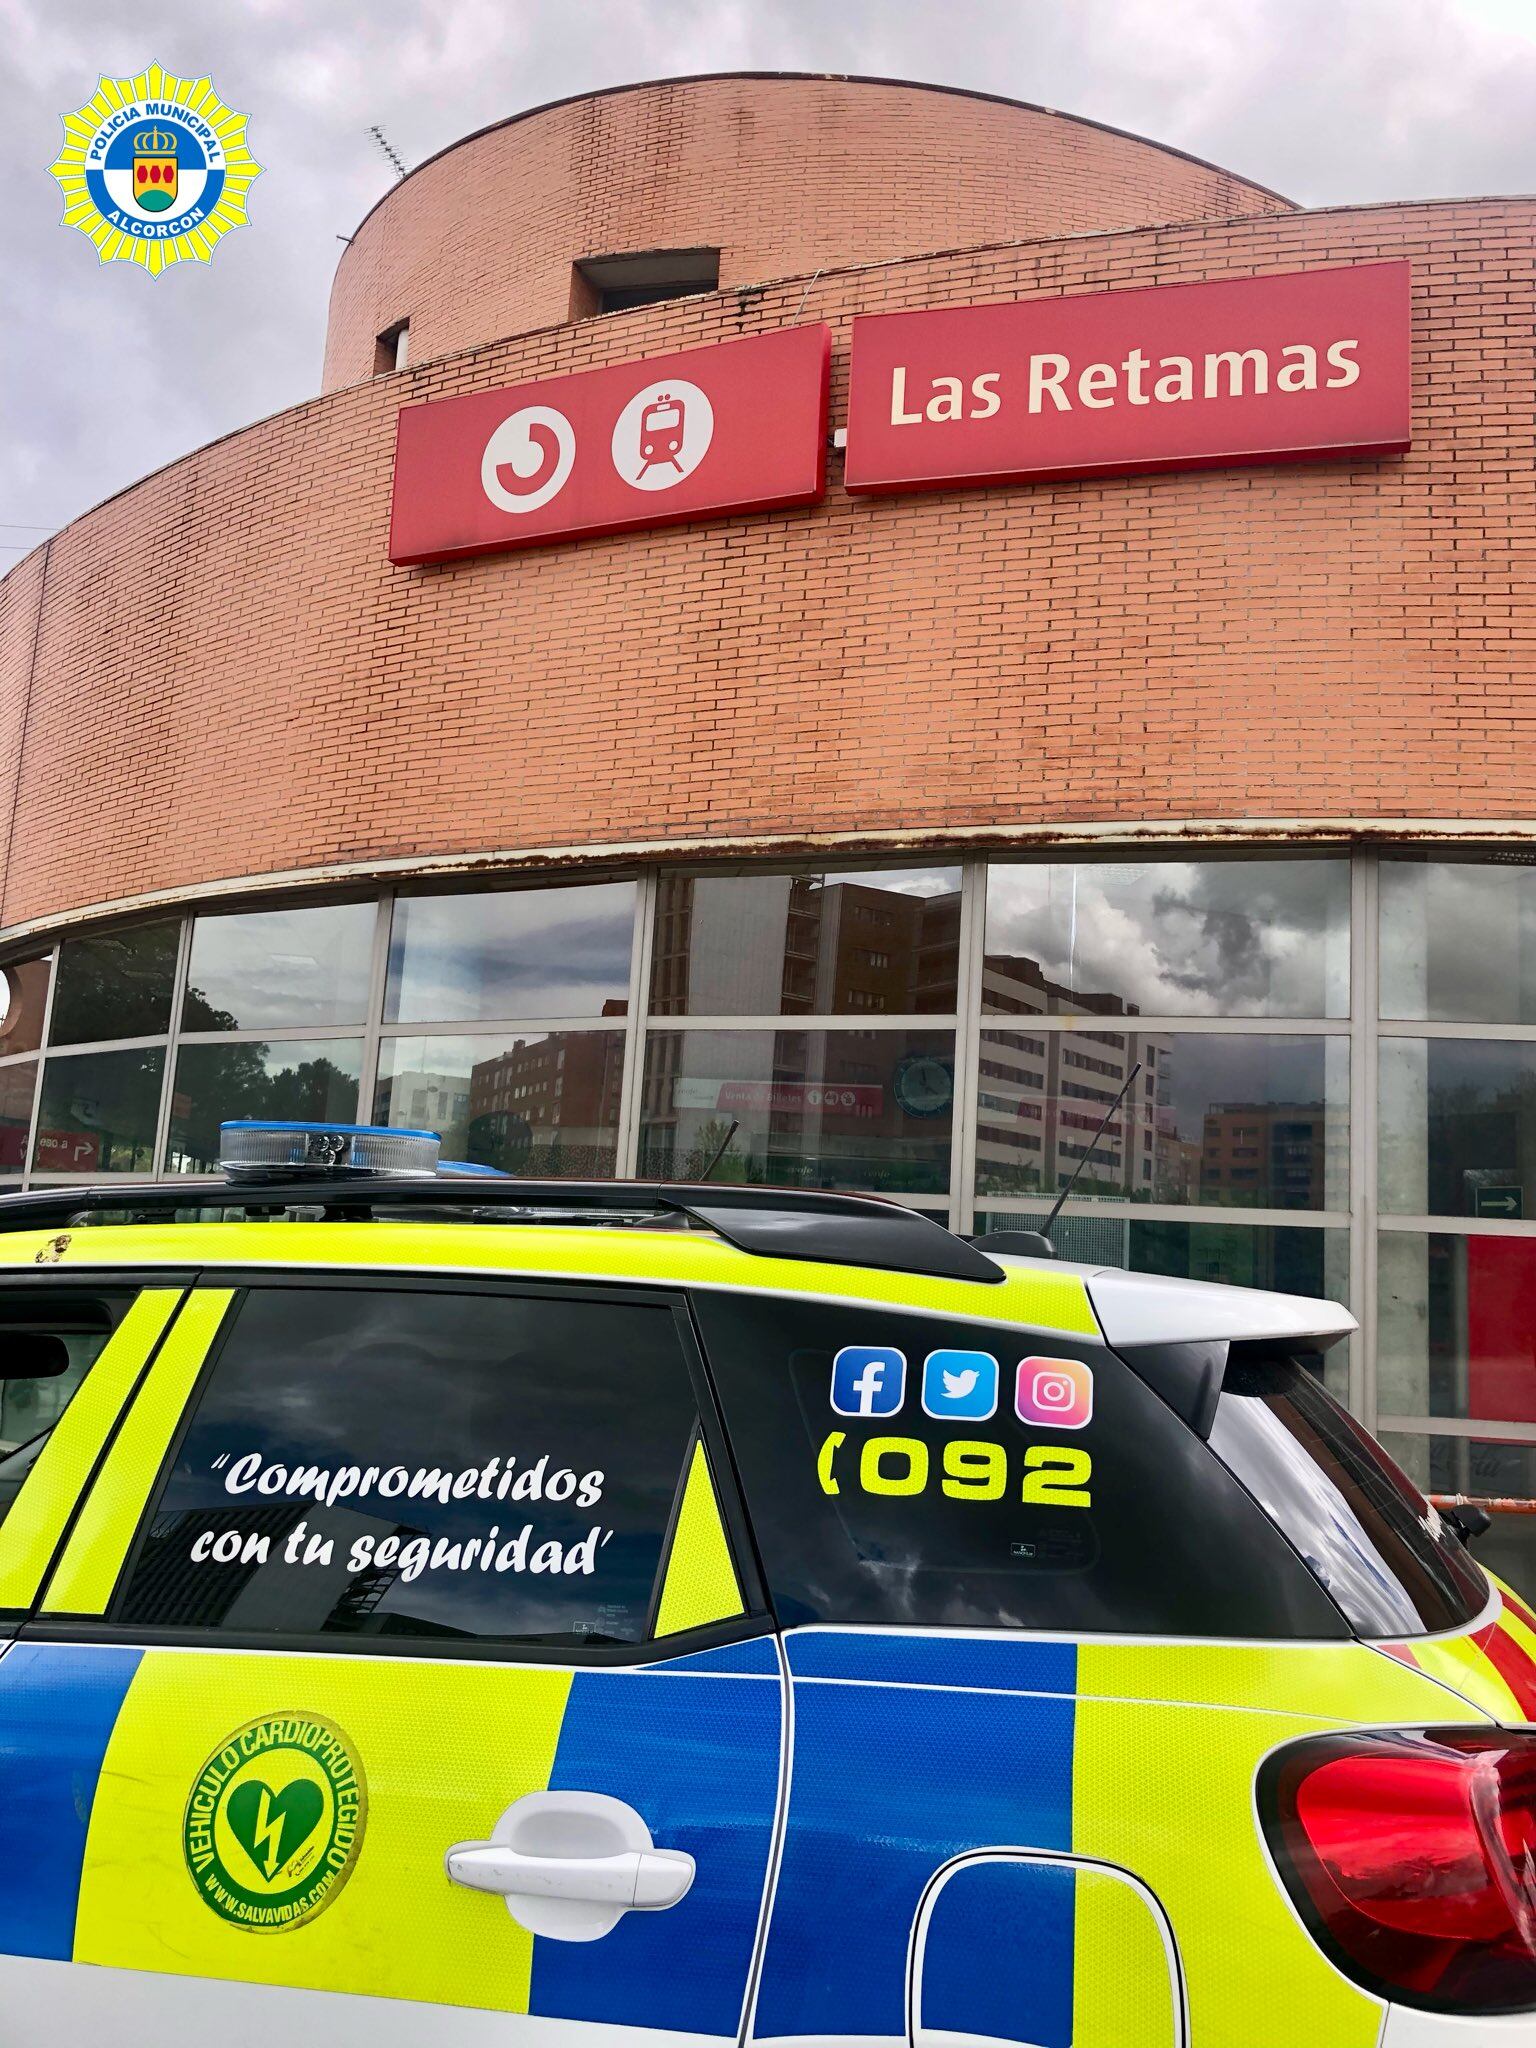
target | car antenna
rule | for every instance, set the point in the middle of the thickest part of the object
(1089, 1148)
(720, 1149)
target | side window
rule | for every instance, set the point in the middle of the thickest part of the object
(49, 1339)
(911, 1472)
(415, 1463)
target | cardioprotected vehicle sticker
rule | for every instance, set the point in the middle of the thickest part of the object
(274, 1821)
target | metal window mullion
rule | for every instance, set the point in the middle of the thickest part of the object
(798, 1020)
(172, 1050)
(1126, 1025)
(1365, 999)
(1429, 1225)
(142, 1043)
(1462, 1426)
(1171, 1212)
(636, 1022)
(42, 1056)
(1426, 1027)
(276, 1034)
(962, 1171)
(378, 975)
(498, 1027)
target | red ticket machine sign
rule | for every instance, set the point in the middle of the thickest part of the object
(737, 428)
(1306, 366)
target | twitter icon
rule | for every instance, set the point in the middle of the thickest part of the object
(960, 1386)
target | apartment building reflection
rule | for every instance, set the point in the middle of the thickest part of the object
(846, 1107)
(550, 1103)
(1042, 1095)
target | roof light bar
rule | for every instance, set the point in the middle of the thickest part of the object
(258, 1151)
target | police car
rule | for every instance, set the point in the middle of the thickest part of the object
(532, 1615)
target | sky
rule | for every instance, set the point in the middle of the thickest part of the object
(106, 373)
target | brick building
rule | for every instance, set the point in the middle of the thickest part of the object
(894, 830)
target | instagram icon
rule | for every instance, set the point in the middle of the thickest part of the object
(1054, 1392)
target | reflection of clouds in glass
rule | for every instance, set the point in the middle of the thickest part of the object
(1200, 1073)
(902, 881)
(1240, 938)
(548, 953)
(1458, 941)
(264, 969)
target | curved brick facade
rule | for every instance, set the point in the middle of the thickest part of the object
(218, 677)
(782, 175)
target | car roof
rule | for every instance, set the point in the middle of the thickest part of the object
(1042, 1294)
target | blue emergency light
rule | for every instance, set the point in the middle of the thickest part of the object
(254, 1150)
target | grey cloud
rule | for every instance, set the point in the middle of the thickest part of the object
(110, 373)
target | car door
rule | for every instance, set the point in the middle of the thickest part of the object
(377, 1570)
(1039, 1639)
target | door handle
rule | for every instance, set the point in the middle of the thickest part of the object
(643, 1880)
(571, 1864)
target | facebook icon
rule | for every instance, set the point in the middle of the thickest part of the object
(868, 1379)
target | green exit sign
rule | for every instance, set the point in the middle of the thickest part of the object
(1506, 1203)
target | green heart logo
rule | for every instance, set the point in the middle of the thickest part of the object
(271, 1826)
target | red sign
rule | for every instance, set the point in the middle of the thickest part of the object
(738, 428)
(68, 1151)
(1192, 376)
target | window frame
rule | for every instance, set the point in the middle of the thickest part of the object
(133, 1281)
(756, 1618)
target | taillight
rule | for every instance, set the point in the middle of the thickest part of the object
(1412, 1858)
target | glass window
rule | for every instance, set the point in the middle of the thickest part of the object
(384, 1462)
(818, 1109)
(1491, 1469)
(1261, 938)
(1458, 1127)
(517, 953)
(541, 1103)
(261, 970)
(294, 1079)
(1245, 1121)
(1365, 1530)
(826, 945)
(1458, 940)
(23, 999)
(18, 1085)
(49, 1339)
(116, 985)
(903, 1518)
(98, 1111)
(1456, 1334)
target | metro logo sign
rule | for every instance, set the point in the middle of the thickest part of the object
(738, 428)
(1294, 368)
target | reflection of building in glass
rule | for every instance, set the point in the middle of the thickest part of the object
(1043, 1095)
(549, 1103)
(1269, 1155)
(786, 945)
(428, 1101)
(814, 1108)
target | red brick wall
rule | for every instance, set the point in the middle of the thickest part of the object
(231, 680)
(782, 174)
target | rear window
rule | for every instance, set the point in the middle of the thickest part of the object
(1370, 1537)
(905, 1471)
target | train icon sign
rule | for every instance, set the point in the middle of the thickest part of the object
(737, 427)
(663, 434)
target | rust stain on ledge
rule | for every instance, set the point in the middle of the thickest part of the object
(1071, 839)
